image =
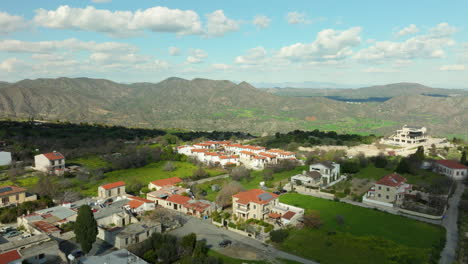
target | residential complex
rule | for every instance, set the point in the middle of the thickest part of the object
(12, 195)
(408, 135)
(322, 174)
(388, 191)
(111, 190)
(225, 153)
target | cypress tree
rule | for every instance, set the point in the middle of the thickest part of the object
(463, 158)
(85, 228)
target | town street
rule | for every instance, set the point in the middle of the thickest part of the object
(450, 223)
(244, 246)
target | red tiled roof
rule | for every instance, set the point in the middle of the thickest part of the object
(113, 185)
(451, 164)
(178, 199)
(200, 150)
(54, 155)
(211, 154)
(234, 145)
(197, 206)
(253, 196)
(259, 157)
(267, 155)
(234, 156)
(168, 181)
(203, 144)
(247, 152)
(181, 147)
(46, 227)
(288, 215)
(10, 189)
(393, 180)
(140, 199)
(135, 204)
(9, 256)
(224, 142)
(274, 215)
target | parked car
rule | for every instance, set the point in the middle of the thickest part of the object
(6, 229)
(25, 236)
(12, 234)
(225, 243)
(76, 254)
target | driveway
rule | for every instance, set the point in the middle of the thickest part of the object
(450, 223)
(224, 176)
(242, 247)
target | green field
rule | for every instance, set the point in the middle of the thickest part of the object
(144, 175)
(421, 177)
(229, 260)
(364, 126)
(91, 162)
(367, 236)
(257, 177)
(27, 182)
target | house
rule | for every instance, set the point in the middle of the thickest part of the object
(121, 256)
(254, 204)
(453, 169)
(124, 236)
(329, 171)
(13, 195)
(36, 249)
(176, 202)
(53, 162)
(158, 184)
(308, 179)
(111, 190)
(388, 191)
(139, 205)
(408, 135)
(5, 158)
(45, 221)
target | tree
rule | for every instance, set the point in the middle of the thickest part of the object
(403, 166)
(85, 228)
(463, 158)
(380, 161)
(350, 167)
(169, 166)
(312, 221)
(240, 173)
(279, 235)
(267, 175)
(340, 220)
(419, 154)
(188, 243)
(433, 150)
(224, 197)
(199, 173)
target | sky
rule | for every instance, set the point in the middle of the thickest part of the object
(340, 43)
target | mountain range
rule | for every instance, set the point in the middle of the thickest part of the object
(202, 104)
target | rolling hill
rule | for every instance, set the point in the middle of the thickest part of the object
(202, 104)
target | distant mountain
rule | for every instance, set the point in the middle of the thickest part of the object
(202, 104)
(389, 90)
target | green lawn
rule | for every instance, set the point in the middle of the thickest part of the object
(27, 183)
(229, 260)
(257, 177)
(367, 236)
(144, 175)
(373, 173)
(91, 162)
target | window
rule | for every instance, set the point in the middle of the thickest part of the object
(17, 197)
(147, 233)
(126, 241)
(388, 189)
(5, 200)
(255, 216)
(380, 187)
(387, 197)
(109, 193)
(255, 207)
(378, 195)
(118, 190)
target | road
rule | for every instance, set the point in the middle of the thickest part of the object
(241, 245)
(208, 179)
(450, 223)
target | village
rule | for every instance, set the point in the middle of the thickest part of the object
(264, 213)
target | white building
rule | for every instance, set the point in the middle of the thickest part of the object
(408, 135)
(451, 169)
(329, 171)
(53, 162)
(111, 190)
(5, 158)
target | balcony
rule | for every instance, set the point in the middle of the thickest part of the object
(242, 209)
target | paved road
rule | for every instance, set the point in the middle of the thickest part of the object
(213, 235)
(450, 223)
(209, 179)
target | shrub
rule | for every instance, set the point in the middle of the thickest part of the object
(232, 225)
(279, 236)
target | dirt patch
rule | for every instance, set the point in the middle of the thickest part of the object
(240, 252)
(311, 118)
(360, 185)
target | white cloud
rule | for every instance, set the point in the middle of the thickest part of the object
(10, 23)
(174, 51)
(109, 58)
(297, 18)
(11, 65)
(423, 46)
(220, 66)
(218, 24)
(454, 67)
(101, 1)
(330, 44)
(254, 56)
(121, 23)
(409, 30)
(379, 70)
(68, 44)
(261, 21)
(196, 56)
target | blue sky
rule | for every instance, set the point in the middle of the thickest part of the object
(347, 43)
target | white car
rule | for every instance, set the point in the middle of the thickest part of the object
(25, 236)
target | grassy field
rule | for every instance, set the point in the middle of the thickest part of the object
(229, 260)
(27, 182)
(257, 177)
(144, 175)
(373, 173)
(91, 162)
(364, 126)
(367, 236)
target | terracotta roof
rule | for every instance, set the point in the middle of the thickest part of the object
(224, 157)
(451, 164)
(10, 189)
(275, 150)
(267, 155)
(140, 199)
(274, 215)
(168, 181)
(288, 215)
(54, 155)
(259, 157)
(113, 185)
(224, 142)
(184, 146)
(9, 256)
(135, 204)
(203, 144)
(255, 196)
(247, 153)
(200, 150)
(234, 145)
(46, 227)
(393, 180)
(254, 147)
(211, 154)
(196, 205)
(178, 199)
